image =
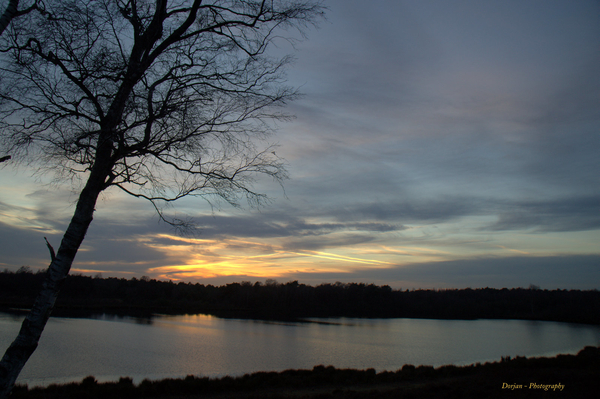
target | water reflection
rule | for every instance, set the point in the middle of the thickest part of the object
(175, 346)
(147, 320)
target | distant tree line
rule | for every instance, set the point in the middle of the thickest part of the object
(84, 295)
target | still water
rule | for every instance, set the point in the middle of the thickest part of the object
(175, 346)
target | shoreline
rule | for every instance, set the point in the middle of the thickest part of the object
(516, 377)
(149, 314)
(46, 382)
(83, 295)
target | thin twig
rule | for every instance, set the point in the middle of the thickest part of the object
(52, 254)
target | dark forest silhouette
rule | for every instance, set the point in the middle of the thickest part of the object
(84, 295)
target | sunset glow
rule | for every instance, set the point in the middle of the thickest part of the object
(438, 144)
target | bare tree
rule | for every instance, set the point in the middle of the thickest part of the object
(12, 11)
(161, 99)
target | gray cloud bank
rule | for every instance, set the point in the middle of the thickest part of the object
(547, 272)
(478, 120)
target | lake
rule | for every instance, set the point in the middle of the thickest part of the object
(175, 346)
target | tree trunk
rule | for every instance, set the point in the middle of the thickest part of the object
(26, 342)
(8, 15)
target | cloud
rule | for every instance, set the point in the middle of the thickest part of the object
(548, 272)
(466, 129)
(566, 214)
(574, 213)
(410, 211)
(278, 225)
(22, 247)
(410, 101)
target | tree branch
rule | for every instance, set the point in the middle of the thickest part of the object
(52, 254)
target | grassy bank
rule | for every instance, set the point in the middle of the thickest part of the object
(563, 376)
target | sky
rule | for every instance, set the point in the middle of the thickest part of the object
(437, 145)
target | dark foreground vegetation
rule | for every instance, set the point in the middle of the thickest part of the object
(564, 376)
(83, 296)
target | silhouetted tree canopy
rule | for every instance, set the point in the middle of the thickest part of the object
(84, 295)
(162, 99)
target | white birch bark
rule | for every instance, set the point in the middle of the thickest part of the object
(32, 327)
